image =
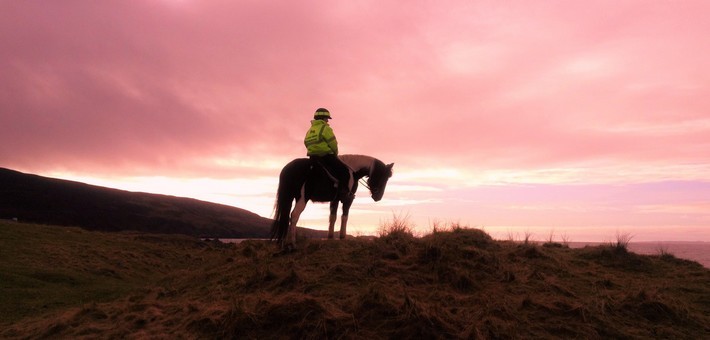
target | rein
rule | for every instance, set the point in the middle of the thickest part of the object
(362, 179)
(364, 183)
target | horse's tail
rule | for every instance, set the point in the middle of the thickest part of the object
(282, 212)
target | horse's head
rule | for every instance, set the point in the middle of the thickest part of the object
(377, 181)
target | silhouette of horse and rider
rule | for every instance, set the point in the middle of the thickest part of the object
(323, 177)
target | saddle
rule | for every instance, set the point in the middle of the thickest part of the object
(316, 165)
(321, 171)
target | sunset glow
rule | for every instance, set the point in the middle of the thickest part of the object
(580, 119)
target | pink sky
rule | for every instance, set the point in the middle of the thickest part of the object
(581, 118)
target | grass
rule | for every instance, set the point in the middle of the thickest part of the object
(455, 282)
(44, 268)
(621, 244)
(664, 253)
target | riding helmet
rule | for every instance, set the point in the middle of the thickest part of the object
(322, 113)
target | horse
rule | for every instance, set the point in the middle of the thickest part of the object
(304, 179)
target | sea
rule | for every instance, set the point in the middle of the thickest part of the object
(694, 251)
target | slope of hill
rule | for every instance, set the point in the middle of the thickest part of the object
(36, 199)
(458, 283)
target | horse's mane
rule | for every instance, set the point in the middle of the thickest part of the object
(358, 162)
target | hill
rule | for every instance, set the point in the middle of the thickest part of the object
(457, 283)
(36, 199)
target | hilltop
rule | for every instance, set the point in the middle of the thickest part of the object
(452, 283)
(37, 199)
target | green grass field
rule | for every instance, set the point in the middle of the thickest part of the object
(452, 283)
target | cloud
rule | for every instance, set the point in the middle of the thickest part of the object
(177, 88)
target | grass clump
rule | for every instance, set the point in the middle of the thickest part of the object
(397, 236)
(665, 254)
(398, 227)
(551, 243)
(621, 244)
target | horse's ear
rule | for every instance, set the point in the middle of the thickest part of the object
(389, 168)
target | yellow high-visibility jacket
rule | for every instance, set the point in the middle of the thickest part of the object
(320, 139)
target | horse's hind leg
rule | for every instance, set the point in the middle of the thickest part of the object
(295, 215)
(331, 219)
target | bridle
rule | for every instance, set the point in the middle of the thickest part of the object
(362, 179)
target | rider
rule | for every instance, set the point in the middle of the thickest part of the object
(322, 146)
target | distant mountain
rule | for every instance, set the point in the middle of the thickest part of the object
(36, 199)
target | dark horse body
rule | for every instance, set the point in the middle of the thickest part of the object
(303, 180)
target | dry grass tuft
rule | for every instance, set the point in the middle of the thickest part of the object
(621, 245)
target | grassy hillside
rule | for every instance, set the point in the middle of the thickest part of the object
(459, 283)
(37, 199)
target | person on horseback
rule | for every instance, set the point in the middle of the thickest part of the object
(323, 148)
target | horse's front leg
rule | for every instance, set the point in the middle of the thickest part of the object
(331, 219)
(344, 218)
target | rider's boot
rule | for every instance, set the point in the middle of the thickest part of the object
(344, 192)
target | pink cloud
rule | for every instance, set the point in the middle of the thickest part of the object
(142, 81)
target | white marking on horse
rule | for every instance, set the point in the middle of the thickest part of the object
(343, 226)
(357, 163)
(296, 214)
